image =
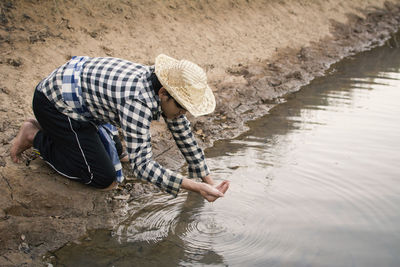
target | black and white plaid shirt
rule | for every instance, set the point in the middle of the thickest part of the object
(119, 92)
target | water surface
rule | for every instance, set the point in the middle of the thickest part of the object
(314, 183)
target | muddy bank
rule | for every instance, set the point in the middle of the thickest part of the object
(254, 54)
(257, 86)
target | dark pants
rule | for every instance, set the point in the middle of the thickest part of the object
(71, 147)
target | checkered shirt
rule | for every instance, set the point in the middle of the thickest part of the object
(119, 92)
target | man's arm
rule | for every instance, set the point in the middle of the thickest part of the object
(135, 119)
(187, 144)
(194, 155)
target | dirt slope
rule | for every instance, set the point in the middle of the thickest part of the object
(254, 52)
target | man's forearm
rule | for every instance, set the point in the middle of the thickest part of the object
(208, 180)
(190, 185)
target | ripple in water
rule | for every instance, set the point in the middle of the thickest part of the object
(202, 230)
(152, 222)
(234, 232)
(200, 227)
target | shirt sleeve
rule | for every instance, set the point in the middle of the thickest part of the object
(187, 144)
(135, 119)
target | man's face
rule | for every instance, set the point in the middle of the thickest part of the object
(169, 106)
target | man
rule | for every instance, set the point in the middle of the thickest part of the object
(74, 103)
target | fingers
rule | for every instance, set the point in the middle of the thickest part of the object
(223, 187)
(211, 193)
(215, 192)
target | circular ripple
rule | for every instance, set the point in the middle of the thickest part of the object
(207, 224)
(234, 233)
(152, 222)
(201, 228)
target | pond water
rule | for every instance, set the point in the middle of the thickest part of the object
(314, 183)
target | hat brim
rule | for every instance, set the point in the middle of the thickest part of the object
(205, 106)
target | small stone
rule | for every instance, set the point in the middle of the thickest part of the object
(123, 197)
(295, 75)
(274, 82)
(93, 34)
(3, 19)
(5, 90)
(24, 247)
(23, 237)
(14, 62)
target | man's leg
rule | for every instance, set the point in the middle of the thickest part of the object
(123, 156)
(72, 148)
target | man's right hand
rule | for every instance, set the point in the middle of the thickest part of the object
(209, 192)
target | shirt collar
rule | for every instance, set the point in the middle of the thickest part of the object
(149, 96)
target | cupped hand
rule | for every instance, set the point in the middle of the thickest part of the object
(212, 193)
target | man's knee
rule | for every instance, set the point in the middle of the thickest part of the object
(103, 180)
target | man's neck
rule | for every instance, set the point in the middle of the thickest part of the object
(155, 83)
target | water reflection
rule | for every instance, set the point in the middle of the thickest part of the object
(365, 71)
(314, 183)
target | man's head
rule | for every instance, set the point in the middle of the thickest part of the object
(185, 84)
(169, 106)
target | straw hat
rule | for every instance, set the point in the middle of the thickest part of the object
(186, 82)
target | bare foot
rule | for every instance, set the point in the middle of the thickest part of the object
(23, 140)
(35, 122)
(110, 187)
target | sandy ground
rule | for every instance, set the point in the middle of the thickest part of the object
(254, 52)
